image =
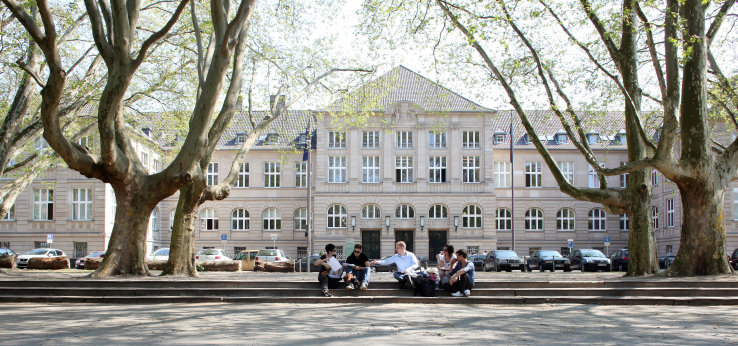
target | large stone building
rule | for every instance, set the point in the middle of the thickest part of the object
(401, 158)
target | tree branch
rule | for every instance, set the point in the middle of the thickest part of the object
(159, 34)
(98, 33)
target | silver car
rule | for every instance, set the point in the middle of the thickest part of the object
(271, 255)
(22, 261)
(212, 255)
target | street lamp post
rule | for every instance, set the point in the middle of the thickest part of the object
(274, 240)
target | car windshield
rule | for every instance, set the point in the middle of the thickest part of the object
(96, 254)
(592, 253)
(2, 251)
(161, 252)
(267, 253)
(549, 254)
(209, 252)
(37, 252)
(506, 254)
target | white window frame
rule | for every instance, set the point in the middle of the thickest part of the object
(243, 176)
(593, 181)
(300, 219)
(654, 177)
(500, 138)
(470, 140)
(534, 219)
(597, 220)
(437, 140)
(271, 219)
(471, 216)
(336, 216)
(272, 174)
(623, 177)
(240, 219)
(370, 169)
(154, 219)
(670, 213)
(566, 223)
(404, 212)
(655, 217)
(336, 139)
(212, 174)
(370, 140)
(10, 215)
(208, 219)
(145, 159)
(336, 169)
(502, 174)
(404, 164)
(438, 212)
(567, 169)
(171, 219)
(624, 222)
(404, 139)
(82, 204)
(370, 212)
(503, 219)
(562, 138)
(533, 174)
(43, 204)
(301, 174)
(437, 170)
(470, 169)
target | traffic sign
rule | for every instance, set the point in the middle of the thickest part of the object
(571, 243)
(223, 237)
(49, 238)
(607, 239)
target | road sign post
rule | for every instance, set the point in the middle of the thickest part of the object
(274, 240)
(49, 238)
(223, 239)
(607, 249)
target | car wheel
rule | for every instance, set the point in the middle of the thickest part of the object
(528, 268)
(509, 270)
(620, 267)
(542, 269)
(567, 269)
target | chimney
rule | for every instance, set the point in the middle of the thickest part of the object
(280, 101)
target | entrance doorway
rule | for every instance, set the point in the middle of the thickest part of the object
(407, 237)
(370, 244)
(436, 241)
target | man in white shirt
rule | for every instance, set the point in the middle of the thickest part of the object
(406, 263)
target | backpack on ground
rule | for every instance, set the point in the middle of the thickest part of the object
(424, 286)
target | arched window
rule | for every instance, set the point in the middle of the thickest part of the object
(301, 219)
(503, 219)
(240, 220)
(471, 217)
(272, 221)
(597, 220)
(655, 217)
(370, 211)
(404, 211)
(171, 220)
(534, 219)
(208, 219)
(565, 219)
(336, 216)
(438, 211)
(154, 219)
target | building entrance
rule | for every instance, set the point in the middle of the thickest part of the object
(436, 241)
(370, 244)
(407, 237)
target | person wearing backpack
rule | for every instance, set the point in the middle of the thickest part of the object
(462, 279)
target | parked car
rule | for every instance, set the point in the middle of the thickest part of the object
(6, 252)
(247, 258)
(384, 267)
(80, 262)
(212, 255)
(548, 259)
(302, 263)
(478, 261)
(271, 255)
(589, 260)
(666, 261)
(619, 259)
(734, 259)
(506, 260)
(159, 255)
(22, 260)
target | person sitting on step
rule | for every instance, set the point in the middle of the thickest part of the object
(446, 262)
(406, 263)
(327, 277)
(462, 278)
(357, 270)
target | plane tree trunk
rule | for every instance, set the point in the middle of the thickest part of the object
(181, 260)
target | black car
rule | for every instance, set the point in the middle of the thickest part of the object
(506, 260)
(478, 261)
(384, 267)
(547, 259)
(589, 260)
(619, 259)
(666, 261)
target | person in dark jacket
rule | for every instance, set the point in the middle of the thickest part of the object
(357, 270)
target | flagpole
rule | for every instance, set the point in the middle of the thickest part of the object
(309, 201)
(512, 184)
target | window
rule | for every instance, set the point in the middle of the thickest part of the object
(499, 138)
(403, 139)
(370, 211)
(594, 179)
(272, 173)
(145, 159)
(212, 175)
(670, 212)
(502, 174)
(534, 219)
(272, 221)
(654, 177)
(301, 219)
(370, 169)
(655, 217)
(240, 138)
(597, 220)
(471, 217)
(154, 220)
(336, 140)
(208, 220)
(533, 174)
(40, 144)
(735, 203)
(404, 169)
(624, 222)
(87, 142)
(301, 169)
(503, 219)
(562, 138)
(623, 177)
(43, 204)
(470, 169)
(81, 204)
(470, 139)
(240, 220)
(437, 139)
(565, 220)
(567, 169)
(437, 169)
(243, 176)
(10, 215)
(438, 211)
(370, 140)
(404, 211)
(156, 165)
(336, 216)
(593, 138)
(171, 220)
(337, 169)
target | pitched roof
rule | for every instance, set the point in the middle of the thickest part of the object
(281, 134)
(401, 84)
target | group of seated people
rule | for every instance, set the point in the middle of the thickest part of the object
(456, 273)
